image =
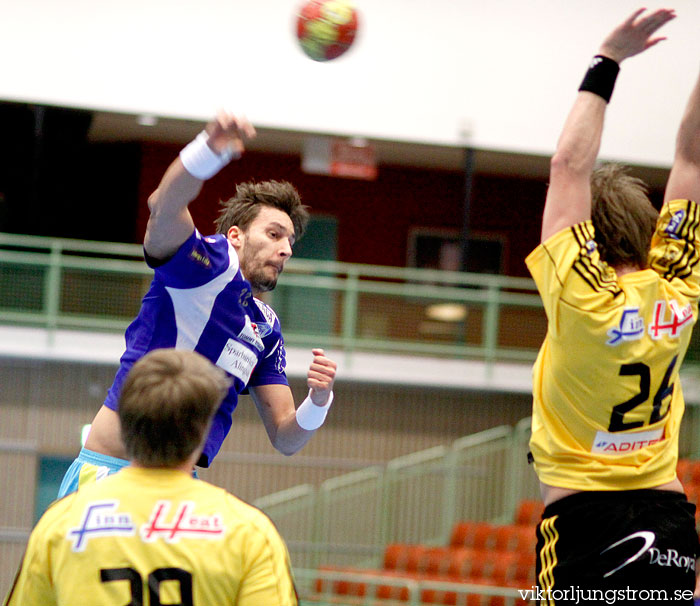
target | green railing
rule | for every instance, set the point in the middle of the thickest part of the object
(76, 284)
(348, 520)
(417, 498)
(337, 533)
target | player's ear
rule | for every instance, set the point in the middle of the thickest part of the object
(235, 236)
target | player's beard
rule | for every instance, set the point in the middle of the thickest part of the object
(262, 283)
(259, 267)
(260, 279)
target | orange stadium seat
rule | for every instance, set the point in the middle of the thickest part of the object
(529, 512)
(441, 561)
(422, 559)
(514, 537)
(392, 592)
(461, 563)
(493, 568)
(350, 588)
(498, 570)
(476, 535)
(362, 588)
(682, 469)
(525, 569)
(692, 491)
(403, 556)
(478, 553)
(688, 472)
(481, 566)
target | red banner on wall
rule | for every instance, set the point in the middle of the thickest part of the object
(339, 157)
(348, 159)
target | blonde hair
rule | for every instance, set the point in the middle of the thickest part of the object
(623, 216)
(166, 405)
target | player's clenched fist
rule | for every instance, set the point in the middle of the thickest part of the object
(320, 377)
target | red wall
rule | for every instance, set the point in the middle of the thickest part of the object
(375, 217)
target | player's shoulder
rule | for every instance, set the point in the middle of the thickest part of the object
(214, 239)
(244, 514)
(199, 256)
(215, 242)
(58, 514)
(572, 239)
(216, 245)
(679, 219)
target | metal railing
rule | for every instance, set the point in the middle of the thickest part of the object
(61, 283)
(348, 520)
(58, 283)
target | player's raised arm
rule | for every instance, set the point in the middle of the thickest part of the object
(170, 222)
(684, 180)
(569, 195)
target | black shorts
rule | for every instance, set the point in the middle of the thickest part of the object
(626, 547)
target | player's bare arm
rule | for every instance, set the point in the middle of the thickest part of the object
(684, 180)
(290, 428)
(569, 197)
(105, 436)
(170, 222)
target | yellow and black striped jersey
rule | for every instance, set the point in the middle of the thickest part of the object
(607, 401)
(148, 536)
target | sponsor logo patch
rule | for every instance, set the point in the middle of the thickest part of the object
(250, 333)
(646, 535)
(631, 327)
(238, 360)
(622, 443)
(101, 519)
(184, 523)
(674, 225)
(671, 558)
(198, 257)
(264, 329)
(681, 317)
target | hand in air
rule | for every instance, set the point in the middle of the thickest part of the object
(228, 132)
(636, 34)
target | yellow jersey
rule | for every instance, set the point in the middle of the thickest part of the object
(156, 532)
(607, 401)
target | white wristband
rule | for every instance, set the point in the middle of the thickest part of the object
(310, 416)
(201, 161)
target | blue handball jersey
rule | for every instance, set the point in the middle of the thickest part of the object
(199, 300)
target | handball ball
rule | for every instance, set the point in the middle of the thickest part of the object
(326, 28)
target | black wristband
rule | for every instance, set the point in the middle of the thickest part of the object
(600, 77)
